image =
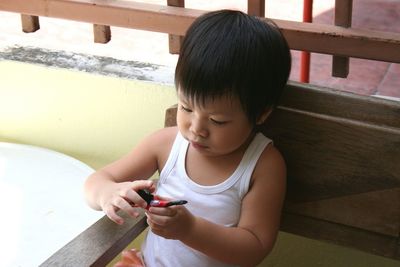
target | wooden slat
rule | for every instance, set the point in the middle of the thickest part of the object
(342, 235)
(343, 13)
(98, 244)
(30, 23)
(312, 37)
(330, 158)
(380, 210)
(336, 103)
(101, 33)
(334, 40)
(334, 151)
(332, 147)
(175, 41)
(256, 8)
(128, 14)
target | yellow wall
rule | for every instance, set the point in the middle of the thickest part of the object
(93, 118)
(97, 119)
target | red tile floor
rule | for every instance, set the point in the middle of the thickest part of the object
(365, 77)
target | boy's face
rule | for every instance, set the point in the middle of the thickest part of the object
(217, 128)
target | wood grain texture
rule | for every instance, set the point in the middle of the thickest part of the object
(341, 234)
(98, 244)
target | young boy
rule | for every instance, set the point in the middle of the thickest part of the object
(230, 74)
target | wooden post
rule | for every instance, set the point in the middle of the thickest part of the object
(175, 41)
(101, 33)
(30, 23)
(256, 8)
(343, 11)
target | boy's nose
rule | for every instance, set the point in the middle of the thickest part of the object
(198, 128)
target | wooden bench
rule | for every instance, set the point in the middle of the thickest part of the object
(343, 157)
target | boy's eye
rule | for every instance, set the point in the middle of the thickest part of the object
(218, 122)
(186, 109)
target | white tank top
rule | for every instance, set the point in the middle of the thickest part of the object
(219, 203)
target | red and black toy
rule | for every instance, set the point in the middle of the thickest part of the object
(151, 202)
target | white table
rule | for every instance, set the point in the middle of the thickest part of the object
(41, 203)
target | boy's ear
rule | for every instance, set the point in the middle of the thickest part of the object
(264, 116)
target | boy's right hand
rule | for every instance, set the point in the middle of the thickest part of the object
(123, 196)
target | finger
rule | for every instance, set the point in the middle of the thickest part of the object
(152, 187)
(154, 225)
(159, 220)
(134, 256)
(143, 184)
(138, 185)
(148, 220)
(124, 205)
(130, 256)
(163, 211)
(111, 213)
(156, 229)
(133, 199)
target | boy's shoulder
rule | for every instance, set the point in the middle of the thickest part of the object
(167, 134)
(161, 141)
(270, 163)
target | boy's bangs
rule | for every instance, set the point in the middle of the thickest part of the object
(200, 87)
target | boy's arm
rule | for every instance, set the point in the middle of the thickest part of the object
(114, 186)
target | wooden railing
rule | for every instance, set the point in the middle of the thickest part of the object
(312, 37)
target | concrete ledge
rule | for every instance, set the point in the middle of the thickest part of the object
(90, 63)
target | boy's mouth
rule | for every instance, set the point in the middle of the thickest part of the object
(198, 145)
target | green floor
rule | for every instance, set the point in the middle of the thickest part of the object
(96, 119)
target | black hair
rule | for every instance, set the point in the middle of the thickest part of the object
(230, 52)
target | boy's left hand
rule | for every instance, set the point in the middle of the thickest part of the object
(170, 222)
